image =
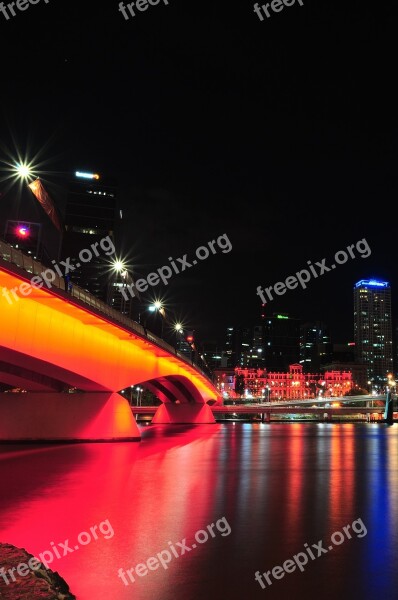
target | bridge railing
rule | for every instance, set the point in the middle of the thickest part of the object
(34, 267)
(27, 263)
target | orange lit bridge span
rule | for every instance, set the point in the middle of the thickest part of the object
(52, 341)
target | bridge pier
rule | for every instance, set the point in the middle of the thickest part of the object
(195, 413)
(56, 417)
(388, 413)
(266, 417)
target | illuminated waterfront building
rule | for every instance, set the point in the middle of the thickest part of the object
(373, 329)
(294, 383)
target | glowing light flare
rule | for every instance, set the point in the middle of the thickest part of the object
(83, 175)
(20, 168)
(157, 306)
(22, 231)
(24, 171)
(119, 266)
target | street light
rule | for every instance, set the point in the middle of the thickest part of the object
(23, 170)
(390, 382)
(139, 396)
(120, 280)
(118, 266)
(268, 393)
(178, 329)
(158, 306)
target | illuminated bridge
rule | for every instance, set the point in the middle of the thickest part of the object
(53, 341)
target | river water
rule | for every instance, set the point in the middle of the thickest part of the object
(268, 490)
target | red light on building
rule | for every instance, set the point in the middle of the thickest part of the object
(22, 231)
(189, 337)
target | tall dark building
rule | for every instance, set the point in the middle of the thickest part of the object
(315, 346)
(238, 346)
(281, 342)
(230, 347)
(373, 329)
(257, 356)
(91, 217)
(213, 356)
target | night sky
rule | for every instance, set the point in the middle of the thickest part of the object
(281, 134)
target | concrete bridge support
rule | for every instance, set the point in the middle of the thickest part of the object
(388, 413)
(56, 417)
(193, 413)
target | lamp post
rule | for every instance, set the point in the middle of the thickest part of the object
(119, 270)
(178, 329)
(139, 396)
(24, 172)
(158, 306)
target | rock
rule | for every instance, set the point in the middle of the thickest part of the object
(42, 584)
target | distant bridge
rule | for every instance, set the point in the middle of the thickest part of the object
(295, 407)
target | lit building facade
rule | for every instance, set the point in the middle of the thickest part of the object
(373, 329)
(294, 384)
(224, 380)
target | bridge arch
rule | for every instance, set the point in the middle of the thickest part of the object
(49, 340)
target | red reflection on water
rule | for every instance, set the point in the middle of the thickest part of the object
(295, 481)
(113, 483)
(342, 471)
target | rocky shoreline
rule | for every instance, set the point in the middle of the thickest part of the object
(41, 584)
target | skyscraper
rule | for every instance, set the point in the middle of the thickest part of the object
(281, 341)
(315, 346)
(238, 345)
(373, 329)
(90, 216)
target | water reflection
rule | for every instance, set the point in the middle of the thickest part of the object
(278, 485)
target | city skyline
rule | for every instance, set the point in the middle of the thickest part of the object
(187, 175)
(172, 295)
(198, 300)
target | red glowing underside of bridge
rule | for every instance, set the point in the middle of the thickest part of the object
(49, 340)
